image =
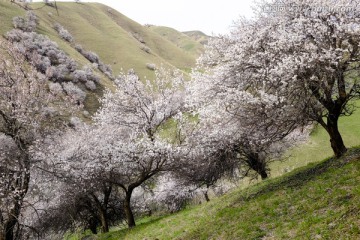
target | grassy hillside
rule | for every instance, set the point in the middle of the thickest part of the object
(198, 36)
(117, 39)
(180, 39)
(318, 145)
(8, 11)
(319, 201)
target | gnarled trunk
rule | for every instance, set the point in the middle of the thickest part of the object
(206, 195)
(263, 174)
(258, 164)
(128, 212)
(337, 143)
(104, 223)
(10, 224)
(20, 187)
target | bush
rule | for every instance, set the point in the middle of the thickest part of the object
(20, 23)
(55, 88)
(79, 75)
(74, 92)
(138, 37)
(106, 69)
(90, 85)
(95, 60)
(79, 48)
(151, 66)
(90, 75)
(91, 56)
(27, 25)
(145, 48)
(63, 33)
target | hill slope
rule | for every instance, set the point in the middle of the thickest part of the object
(320, 201)
(317, 147)
(118, 40)
(189, 44)
(198, 36)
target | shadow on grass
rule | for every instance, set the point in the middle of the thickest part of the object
(120, 234)
(305, 174)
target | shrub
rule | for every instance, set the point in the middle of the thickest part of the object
(91, 56)
(71, 65)
(138, 37)
(106, 69)
(63, 33)
(145, 48)
(27, 25)
(79, 75)
(14, 35)
(79, 48)
(90, 85)
(19, 23)
(59, 73)
(95, 60)
(55, 88)
(74, 92)
(90, 75)
(151, 66)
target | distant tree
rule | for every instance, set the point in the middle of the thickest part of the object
(90, 205)
(306, 57)
(236, 130)
(169, 193)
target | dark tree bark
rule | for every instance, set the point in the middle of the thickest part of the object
(20, 184)
(92, 225)
(337, 143)
(12, 222)
(263, 174)
(104, 222)
(102, 208)
(128, 211)
(256, 163)
(206, 195)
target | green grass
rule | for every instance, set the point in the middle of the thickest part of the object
(198, 36)
(110, 34)
(7, 12)
(180, 39)
(104, 31)
(318, 145)
(321, 200)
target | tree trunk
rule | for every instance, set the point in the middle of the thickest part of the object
(206, 195)
(10, 224)
(102, 209)
(128, 212)
(21, 183)
(337, 143)
(103, 213)
(104, 222)
(92, 225)
(263, 174)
